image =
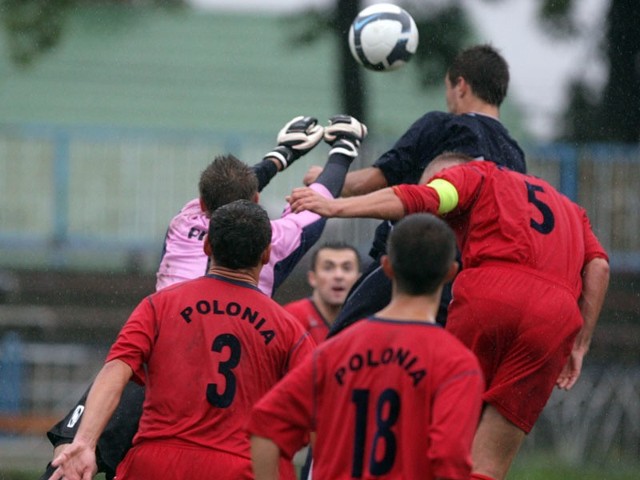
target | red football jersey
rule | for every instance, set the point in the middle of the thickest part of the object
(207, 350)
(387, 399)
(310, 318)
(507, 216)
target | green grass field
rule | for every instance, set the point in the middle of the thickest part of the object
(548, 468)
(541, 468)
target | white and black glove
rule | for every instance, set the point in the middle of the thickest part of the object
(344, 134)
(295, 139)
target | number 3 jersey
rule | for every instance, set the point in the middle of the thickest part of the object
(207, 350)
(388, 399)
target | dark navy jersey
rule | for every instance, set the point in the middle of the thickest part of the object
(476, 135)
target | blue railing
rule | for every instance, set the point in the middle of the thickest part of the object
(91, 197)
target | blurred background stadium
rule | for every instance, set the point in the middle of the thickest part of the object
(109, 110)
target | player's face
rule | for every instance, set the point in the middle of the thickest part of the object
(335, 273)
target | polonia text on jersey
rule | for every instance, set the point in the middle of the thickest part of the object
(231, 309)
(388, 356)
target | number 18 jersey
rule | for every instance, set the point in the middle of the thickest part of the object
(388, 399)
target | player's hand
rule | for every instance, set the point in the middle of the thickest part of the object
(295, 139)
(76, 462)
(305, 198)
(345, 133)
(571, 371)
(312, 175)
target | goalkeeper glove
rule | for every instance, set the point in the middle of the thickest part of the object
(295, 139)
(344, 134)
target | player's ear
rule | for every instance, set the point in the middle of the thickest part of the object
(206, 246)
(311, 278)
(256, 197)
(203, 207)
(266, 255)
(385, 263)
(463, 87)
(453, 271)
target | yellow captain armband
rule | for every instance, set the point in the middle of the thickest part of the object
(447, 193)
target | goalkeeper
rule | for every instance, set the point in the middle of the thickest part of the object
(225, 180)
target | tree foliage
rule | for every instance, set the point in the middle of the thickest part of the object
(33, 27)
(443, 30)
(610, 112)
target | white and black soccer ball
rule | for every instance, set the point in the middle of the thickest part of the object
(383, 37)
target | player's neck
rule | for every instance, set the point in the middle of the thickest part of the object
(245, 275)
(481, 108)
(328, 312)
(410, 307)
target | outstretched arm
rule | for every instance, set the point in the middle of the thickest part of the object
(595, 280)
(78, 461)
(297, 138)
(345, 134)
(295, 233)
(363, 181)
(382, 204)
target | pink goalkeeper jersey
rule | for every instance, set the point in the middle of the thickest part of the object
(183, 257)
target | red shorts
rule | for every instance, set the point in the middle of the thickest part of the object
(172, 461)
(522, 328)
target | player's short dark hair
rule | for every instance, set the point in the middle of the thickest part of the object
(421, 249)
(239, 232)
(224, 180)
(333, 245)
(485, 70)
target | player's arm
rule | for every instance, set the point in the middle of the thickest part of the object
(457, 404)
(357, 182)
(265, 456)
(363, 181)
(595, 281)
(284, 414)
(79, 458)
(295, 139)
(383, 204)
(294, 234)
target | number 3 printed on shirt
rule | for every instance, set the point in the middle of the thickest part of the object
(225, 398)
(548, 219)
(384, 440)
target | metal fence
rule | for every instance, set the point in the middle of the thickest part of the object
(98, 197)
(598, 420)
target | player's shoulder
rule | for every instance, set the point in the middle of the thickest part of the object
(297, 305)
(191, 212)
(192, 207)
(434, 117)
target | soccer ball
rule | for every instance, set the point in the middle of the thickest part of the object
(383, 37)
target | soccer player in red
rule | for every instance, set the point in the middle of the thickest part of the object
(207, 350)
(224, 180)
(408, 392)
(528, 298)
(334, 269)
(476, 84)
